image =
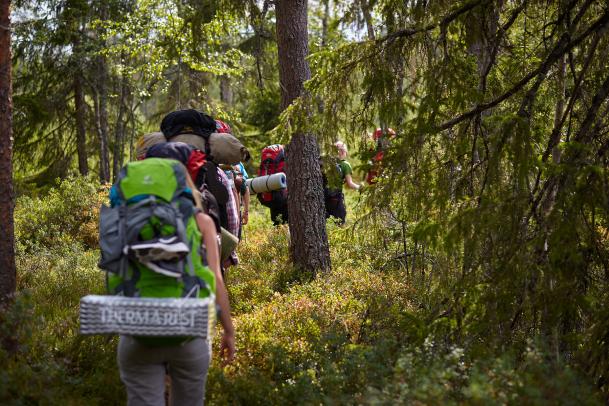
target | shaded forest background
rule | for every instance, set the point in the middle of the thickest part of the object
(475, 270)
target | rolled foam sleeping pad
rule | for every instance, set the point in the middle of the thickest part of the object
(267, 183)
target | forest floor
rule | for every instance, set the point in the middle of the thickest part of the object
(360, 334)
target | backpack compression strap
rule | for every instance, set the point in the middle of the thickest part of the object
(127, 287)
(192, 283)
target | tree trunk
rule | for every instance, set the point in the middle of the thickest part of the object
(79, 102)
(482, 28)
(81, 132)
(365, 6)
(308, 238)
(102, 132)
(226, 91)
(119, 131)
(102, 116)
(324, 23)
(7, 242)
(560, 106)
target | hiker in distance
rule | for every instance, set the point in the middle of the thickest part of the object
(211, 145)
(235, 183)
(337, 172)
(272, 161)
(382, 139)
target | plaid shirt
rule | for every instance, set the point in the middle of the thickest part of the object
(232, 212)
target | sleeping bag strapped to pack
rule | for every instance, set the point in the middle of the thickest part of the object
(272, 160)
(199, 129)
(149, 239)
(147, 141)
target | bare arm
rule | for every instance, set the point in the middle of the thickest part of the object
(350, 183)
(246, 206)
(208, 232)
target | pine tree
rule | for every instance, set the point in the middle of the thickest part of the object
(7, 242)
(308, 238)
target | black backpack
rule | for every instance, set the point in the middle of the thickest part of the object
(189, 121)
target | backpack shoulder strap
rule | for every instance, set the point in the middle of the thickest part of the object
(280, 156)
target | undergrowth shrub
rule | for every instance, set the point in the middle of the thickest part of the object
(371, 331)
(67, 214)
(56, 266)
(316, 342)
(434, 374)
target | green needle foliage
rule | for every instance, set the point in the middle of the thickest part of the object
(496, 183)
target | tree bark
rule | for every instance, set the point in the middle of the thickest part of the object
(560, 107)
(102, 132)
(324, 23)
(365, 6)
(308, 238)
(119, 131)
(226, 91)
(102, 116)
(7, 242)
(103, 119)
(79, 101)
(81, 131)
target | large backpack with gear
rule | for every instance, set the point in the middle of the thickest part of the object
(151, 247)
(200, 130)
(214, 195)
(272, 160)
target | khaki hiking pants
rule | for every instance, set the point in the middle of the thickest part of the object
(143, 368)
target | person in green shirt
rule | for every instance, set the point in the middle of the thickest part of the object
(337, 172)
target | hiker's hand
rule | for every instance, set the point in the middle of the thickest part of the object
(244, 218)
(227, 348)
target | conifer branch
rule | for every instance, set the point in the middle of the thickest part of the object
(574, 96)
(409, 32)
(561, 48)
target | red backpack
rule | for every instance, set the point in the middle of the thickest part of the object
(272, 160)
(382, 138)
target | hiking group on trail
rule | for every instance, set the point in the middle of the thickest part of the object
(175, 219)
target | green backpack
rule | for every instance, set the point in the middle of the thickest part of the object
(332, 173)
(149, 240)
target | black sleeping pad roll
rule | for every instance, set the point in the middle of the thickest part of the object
(187, 121)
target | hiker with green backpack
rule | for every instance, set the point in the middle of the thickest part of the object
(337, 172)
(159, 250)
